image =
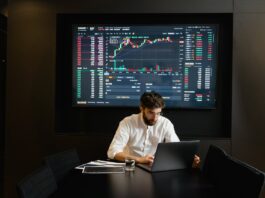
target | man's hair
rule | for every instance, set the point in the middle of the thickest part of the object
(152, 100)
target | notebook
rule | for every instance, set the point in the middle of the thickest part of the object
(173, 156)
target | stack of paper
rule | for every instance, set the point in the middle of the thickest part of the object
(102, 166)
(99, 163)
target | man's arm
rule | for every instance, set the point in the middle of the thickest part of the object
(170, 135)
(119, 140)
(121, 156)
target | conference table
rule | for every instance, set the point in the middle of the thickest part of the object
(136, 184)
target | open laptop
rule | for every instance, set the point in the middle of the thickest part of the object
(173, 156)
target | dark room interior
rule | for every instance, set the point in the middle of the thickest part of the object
(37, 118)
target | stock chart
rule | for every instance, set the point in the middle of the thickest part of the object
(114, 65)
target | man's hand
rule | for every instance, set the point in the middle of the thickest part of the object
(148, 159)
(196, 162)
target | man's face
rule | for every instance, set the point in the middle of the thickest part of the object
(150, 116)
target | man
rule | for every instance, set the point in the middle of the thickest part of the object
(138, 135)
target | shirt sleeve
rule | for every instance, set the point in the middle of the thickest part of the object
(120, 140)
(171, 135)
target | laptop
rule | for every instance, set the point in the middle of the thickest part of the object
(173, 156)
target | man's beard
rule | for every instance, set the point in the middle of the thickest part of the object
(148, 122)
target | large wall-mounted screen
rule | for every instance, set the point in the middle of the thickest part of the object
(105, 61)
(112, 64)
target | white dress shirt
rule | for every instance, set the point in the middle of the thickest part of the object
(134, 137)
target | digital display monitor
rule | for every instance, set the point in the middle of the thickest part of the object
(112, 64)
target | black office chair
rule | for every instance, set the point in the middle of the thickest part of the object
(40, 184)
(61, 163)
(231, 177)
(243, 180)
(213, 167)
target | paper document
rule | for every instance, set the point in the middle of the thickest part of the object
(100, 163)
(110, 163)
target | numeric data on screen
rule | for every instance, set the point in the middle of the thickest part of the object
(114, 65)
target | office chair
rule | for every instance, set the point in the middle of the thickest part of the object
(61, 163)
(213, 167)
(231, 177)
(243, 180)
(39, 184)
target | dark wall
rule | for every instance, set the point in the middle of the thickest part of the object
(3, 47)
(248, 127)
(30, 89)
(3, 37)
(30, 93)
(3, 7)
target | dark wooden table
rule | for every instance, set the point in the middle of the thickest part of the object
(138, 184)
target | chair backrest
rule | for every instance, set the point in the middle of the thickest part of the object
(243, 180)
(213, 167)
(39, 184)
(61, 163)
(231, 177)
